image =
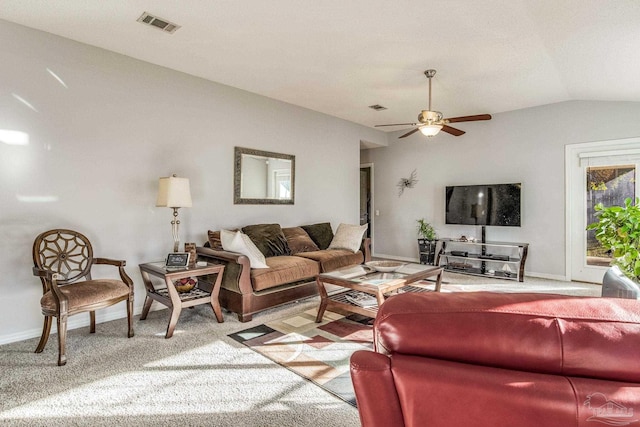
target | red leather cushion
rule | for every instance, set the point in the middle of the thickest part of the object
(594, 337)
(437, 393)
(373, 381)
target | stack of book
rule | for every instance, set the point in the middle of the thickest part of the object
(361, 299)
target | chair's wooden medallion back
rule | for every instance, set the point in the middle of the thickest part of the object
(65, 252)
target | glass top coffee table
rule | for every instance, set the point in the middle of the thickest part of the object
(366, 289)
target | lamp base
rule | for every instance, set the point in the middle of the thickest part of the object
(175, 225)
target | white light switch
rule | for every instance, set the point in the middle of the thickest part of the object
(377, 212)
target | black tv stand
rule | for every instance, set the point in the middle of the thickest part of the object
(483, 249)
(505, 259)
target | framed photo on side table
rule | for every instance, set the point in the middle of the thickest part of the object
(177, 260)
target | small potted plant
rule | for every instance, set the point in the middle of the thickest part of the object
(426, 230)
(426, 242)
(618, 230)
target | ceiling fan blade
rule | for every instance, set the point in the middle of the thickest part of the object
(469, 118)
(452, 131)
(409, 133)
(397, 124)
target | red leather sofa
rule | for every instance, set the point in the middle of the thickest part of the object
(494, 359)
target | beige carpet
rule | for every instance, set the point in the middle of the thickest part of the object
(199, 377)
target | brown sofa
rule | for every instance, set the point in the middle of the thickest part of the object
(295, 255)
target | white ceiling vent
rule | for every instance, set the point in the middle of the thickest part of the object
(160, 23)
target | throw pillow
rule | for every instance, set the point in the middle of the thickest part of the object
(320, 233)
(242, 244)
(348, 237)
(298, 240)
(214, 240)
(268, 238)
(226, 237)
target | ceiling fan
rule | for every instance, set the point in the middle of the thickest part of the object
(431, 122)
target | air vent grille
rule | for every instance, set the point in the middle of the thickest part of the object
(160, 23)
(377, 107)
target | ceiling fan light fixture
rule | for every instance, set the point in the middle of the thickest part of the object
(431, 122)
(430, 130)
(429, 117)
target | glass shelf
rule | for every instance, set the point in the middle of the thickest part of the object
(478, 261)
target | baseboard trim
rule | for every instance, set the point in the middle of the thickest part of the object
(546, 276)
(77, 321)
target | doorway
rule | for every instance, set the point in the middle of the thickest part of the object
(597, 172)
(366, 197)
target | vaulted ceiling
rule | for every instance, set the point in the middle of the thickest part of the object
(340, 56)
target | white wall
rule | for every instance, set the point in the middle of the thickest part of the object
(98, 146)
(519, 146)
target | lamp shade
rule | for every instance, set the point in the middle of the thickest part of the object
(430, 130)
(173, 192)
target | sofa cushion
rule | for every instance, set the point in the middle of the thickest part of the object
(321, 234)
(298, 240)
(555, 334)
(468, 395)
(268, 238)
(241, 243)
(333, 259)
(348, 237)
(283, 270)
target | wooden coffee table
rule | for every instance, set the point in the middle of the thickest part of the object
(176, 301)
(366, 280)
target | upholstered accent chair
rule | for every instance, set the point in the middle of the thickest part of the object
(62, 260)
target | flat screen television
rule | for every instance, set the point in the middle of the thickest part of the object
(497, 204)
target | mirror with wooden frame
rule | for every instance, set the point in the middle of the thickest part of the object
(263, 177)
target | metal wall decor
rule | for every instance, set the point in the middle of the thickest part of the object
(407, 182)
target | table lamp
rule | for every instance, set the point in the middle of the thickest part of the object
(174, 193)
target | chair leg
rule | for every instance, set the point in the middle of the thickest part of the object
(62, 339)
(92, 322)
(130, 316)
(46, 329)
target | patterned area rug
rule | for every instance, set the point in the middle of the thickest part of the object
(319, 352)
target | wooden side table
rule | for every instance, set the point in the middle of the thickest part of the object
(175, 300)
